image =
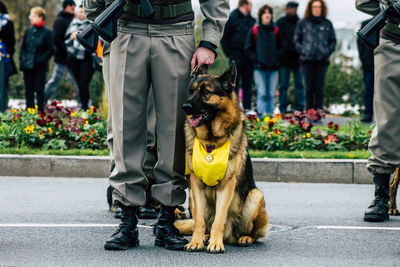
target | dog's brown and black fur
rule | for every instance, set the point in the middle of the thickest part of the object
(393, 192)
(234, 210)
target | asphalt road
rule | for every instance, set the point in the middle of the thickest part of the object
(65, 222)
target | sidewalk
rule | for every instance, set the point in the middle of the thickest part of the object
(266, 170)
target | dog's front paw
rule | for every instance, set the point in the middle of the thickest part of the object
(394, 212)
(245, 241)
(195, 246)
(215, 246)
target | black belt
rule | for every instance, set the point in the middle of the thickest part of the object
(161, 12)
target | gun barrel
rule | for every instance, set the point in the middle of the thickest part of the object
(370, 32)
(88, 38)
(106, 23)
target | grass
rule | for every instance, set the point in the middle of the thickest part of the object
(313, 154)
(361, 154)
(70, 152)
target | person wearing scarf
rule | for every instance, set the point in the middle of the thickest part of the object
(79, 59)
(36, 51)
(315, 40)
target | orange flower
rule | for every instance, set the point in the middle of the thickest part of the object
(91, 140)
(332, 138)
(83, 138)
(93, 131)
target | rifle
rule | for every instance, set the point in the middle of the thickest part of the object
(370, 32)
(105, 25)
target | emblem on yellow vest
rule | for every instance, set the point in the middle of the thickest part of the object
(210, 167)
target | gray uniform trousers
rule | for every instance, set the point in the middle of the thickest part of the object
(145, 55)
(385, 140)
(151, 154)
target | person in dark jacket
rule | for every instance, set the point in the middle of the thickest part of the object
(315, 40)
(367, 59)
(7, 38)
(262, 48)
(289, 60)
(79, 59)
(36, 51)
(60, 26)
(233, 41)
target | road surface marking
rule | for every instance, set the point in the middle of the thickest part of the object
(356, 227)
(72, 225)
(88, 225)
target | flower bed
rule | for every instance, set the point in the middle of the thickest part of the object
(296, 132)
(56, 128)
(63, 128)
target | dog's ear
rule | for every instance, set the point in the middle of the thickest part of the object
(202, 69)
(228, 78)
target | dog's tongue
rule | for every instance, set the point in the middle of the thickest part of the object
(194, 121)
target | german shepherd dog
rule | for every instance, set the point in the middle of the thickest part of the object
(393, 192)
(233, 211)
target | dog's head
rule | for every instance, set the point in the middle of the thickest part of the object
(206, 95)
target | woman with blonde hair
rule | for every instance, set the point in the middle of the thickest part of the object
(315, 40)
(36, 51)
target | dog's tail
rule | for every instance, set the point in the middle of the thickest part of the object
(185, 227)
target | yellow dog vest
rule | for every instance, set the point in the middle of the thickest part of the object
(210, 167)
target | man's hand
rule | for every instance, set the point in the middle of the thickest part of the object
(202, 56)
(73, 35)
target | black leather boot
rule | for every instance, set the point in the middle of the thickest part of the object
(147, 211)
(127, 235)
(378, 211)
(166, 234)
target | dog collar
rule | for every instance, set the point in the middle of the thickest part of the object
(210, 167)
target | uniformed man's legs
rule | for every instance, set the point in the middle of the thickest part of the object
(129, 87)
(147, 211)
(384, 144)
(170, 79)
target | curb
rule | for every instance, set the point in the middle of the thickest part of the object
(265, 170)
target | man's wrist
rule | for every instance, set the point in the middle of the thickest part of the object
(210, 46)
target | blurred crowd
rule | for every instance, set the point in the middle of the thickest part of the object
(270, 52)
(262, 49)
(38, 45)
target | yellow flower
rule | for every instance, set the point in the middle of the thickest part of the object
(14, 110)
(304, 136)
(86, 122)
(36, 107)
(41, 136)
(350, 155)
(258, 119)
(28, 130)
(308, 135)
(267, 119)
(50, 130)
(32, 128)
(278, 116)
(73, 114)
(273, 120)
(31, 110)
